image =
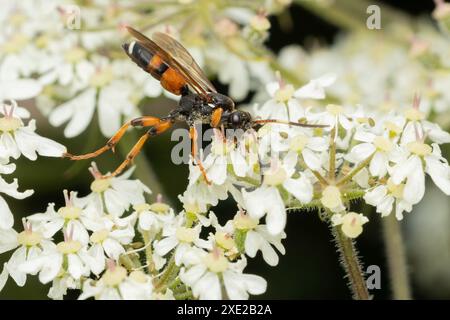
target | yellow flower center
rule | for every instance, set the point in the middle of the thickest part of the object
(244, 222)
(298, 143)
(284, 93)
(29, 238)
(100, 185)
(69, 247)
(395, 190)
(383, 144)
(114, 277)
(275, 176)
(331, 197)
(191, 207)
(138, 276)
(335, 109)
(160, 207)
(224, 240)
(69, 212)
(42, 41)
(413, 114)
(10, 124)
(99, 236)
(139, 208)
(75, 55)
(260, 23)
(419, 148)
(187, 235)
(216, 262)
(393, 129)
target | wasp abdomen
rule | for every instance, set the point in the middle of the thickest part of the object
(170, 79)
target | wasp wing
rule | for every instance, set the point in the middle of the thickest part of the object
(184, 58)
(177, 57)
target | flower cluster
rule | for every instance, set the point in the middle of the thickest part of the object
(402, 61)
(79, 74)
(17, 139)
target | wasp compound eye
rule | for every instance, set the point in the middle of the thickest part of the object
(235, 118)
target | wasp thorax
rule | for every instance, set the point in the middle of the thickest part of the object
(221, 101)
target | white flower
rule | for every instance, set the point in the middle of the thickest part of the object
(351, 223)
(115, 195)
(412, 170)
(102, 90)
(10, 189)
(17, 139)
(258, 238)
(116, 284)
(68, 256)
(381, 148)
(285, 100)
(267, 198)
(72, 217)
(108, 242)
(384, 197)
(153, 217)
(179, 237)
(207, 271)
(60, 285)
(29, 244)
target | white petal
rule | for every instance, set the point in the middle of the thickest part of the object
(3, 277)
(19, 89)
(300, 188)
(439, 172)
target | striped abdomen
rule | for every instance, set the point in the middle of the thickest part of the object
(170, 79)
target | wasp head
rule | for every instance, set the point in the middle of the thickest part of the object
(239, 119)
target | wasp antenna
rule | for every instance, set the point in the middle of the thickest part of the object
(289, 123)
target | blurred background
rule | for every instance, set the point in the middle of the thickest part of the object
(310, 268)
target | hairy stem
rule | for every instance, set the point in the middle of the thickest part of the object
(148, 252)
(351, 264)
(167, 275)
(395, 252)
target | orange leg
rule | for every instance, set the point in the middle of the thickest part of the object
(157, 129)
(146, 121)
(216, 116)
(193, 135)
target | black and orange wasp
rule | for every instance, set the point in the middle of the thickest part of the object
(170, 63)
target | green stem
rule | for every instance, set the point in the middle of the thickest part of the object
(357, 169)
(351, 264)
(332, 169)
(395, 252)
(148, 252)
(171, 268)
(127, 262)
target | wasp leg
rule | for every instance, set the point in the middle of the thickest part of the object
(193, 135)
(216, 116)
(159, 128)
(145, 121)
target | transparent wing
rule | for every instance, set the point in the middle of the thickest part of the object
(184, 58)
(178, 58)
